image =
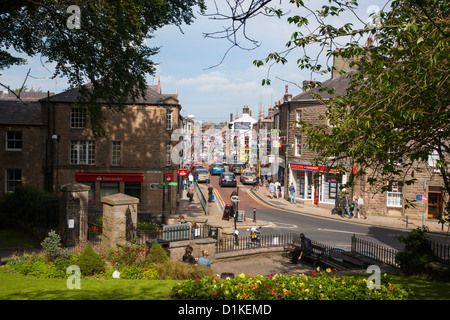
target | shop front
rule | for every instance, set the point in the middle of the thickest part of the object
(104, 184)
(315, 184)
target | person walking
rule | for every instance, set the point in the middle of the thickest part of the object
(361, 206)
(292, 192)
(190, 192)
(257, 182)
(346, 204)
(208, 178)
(277, 186)
(355, 206)
(271, 189)
(210, 193)
(191, 178)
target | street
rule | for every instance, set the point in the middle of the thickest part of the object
(332, 232)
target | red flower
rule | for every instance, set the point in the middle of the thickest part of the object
(196, 279)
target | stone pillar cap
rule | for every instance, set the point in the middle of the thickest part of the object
(119, 199)
(74, 187)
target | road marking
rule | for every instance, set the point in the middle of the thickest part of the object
(342, 231)
(286, 225)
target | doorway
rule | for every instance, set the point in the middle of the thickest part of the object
(434, 204)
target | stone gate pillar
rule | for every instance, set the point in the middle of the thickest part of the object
(116, 209)
(73, 212)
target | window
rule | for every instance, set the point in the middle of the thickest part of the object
(298, 116)
(169, 120)
(82, 152)
(77, 117)
(168, 154)
(14, 140)
(116, 152)
(395, 195)
(394, 155)
(298, 145)
(13, 179)
(133, 189)
(107, 188)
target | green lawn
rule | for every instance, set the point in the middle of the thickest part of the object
(17, 287)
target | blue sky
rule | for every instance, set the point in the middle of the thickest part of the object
(185, 66)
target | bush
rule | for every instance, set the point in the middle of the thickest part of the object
(417, 253)
(156, 254)
(127, 256)
(90, 263)
(31, 265)
(52, 246)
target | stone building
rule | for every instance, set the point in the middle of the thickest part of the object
(133, 158)
(319, 185)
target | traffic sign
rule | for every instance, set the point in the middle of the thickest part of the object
(424, 197)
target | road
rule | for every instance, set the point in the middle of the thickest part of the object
(329, 231)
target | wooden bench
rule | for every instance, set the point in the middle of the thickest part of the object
(314, 257)
(288, 248)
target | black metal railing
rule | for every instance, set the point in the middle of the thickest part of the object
(441, 250)
(177, 234)
(374, 251)
(228, 244)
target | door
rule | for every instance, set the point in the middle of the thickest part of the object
(434, 204)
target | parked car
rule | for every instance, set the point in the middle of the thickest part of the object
(195, 167)
(247, 177)
(202, 174)
(217, 168)
(227, 179)
(237, 168)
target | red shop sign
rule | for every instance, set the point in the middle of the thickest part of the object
(311, 168)
(182, 172)
(168, 177)
(108, 177)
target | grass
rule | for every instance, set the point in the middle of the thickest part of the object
(17, 287)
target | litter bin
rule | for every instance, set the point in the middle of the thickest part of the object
(227, 212)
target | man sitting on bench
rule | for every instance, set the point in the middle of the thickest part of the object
(305, 249)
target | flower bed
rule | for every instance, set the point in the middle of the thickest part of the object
(318, 286)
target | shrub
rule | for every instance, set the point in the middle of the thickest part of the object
(52, 246)
(417, 252)
(32, 265)
(127, 256)
(156, 254)
(176, 270)
(90, 263)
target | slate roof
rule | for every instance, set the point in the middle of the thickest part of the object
(340, 84)
(152, 97)
(15, 112)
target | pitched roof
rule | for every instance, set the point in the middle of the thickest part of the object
(15, 112)
(340, 84)
(152, 97)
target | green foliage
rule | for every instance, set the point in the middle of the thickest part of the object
(318, 286)
(52, 246)
(107, 50)
(156, 254)
(147, 226)
(417, 254)
(127, 256)
(90, 263)
(38, 266)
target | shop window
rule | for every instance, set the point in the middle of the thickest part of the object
(133, 189)
(107, 188)
(331, 185)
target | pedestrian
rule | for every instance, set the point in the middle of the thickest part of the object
(346, 204)
(257, 183)
(271, 189)
(195, 176)
(355, 206)
(210, 193)
(191, 178)
(305, 249)
(360, 207)
(187, 257)
(292, 192)
(195, 230)
(277, 186)
(203, 260)
(208, 178)
(190, 193)
(182, 220)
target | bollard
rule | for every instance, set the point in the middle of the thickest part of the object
(254, 214)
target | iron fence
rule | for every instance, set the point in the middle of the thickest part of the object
(228, 244)
(441, 250)
(176, 233)
(374, 251)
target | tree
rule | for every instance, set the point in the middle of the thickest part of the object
(97, 42)
(396, 106)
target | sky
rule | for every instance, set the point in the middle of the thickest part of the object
(191, 65)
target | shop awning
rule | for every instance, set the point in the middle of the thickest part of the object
(109, 177)
(312, 168)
